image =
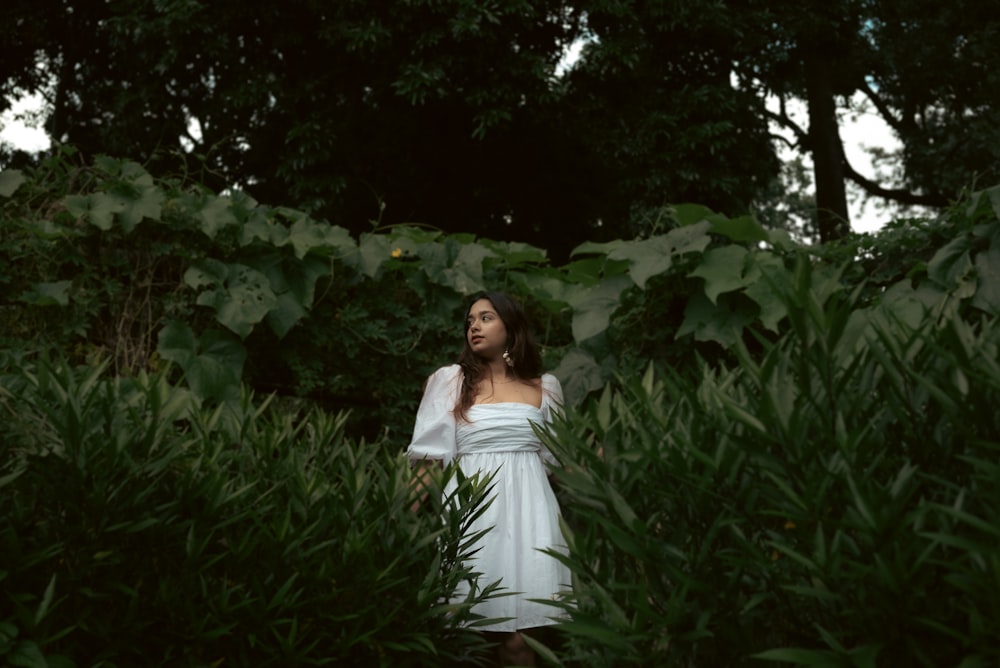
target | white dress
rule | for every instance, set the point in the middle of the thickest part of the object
(524, 515)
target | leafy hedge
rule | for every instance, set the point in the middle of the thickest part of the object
(805, 473)
(829, 501)
(140, 530)
(107, 261)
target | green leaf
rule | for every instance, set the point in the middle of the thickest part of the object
(951, 264)
(147, 203)
(768, 289)
(723, 322)
(293, 282)
(212, 364)
(817, 658)
(579, 374)
(98, 208)
(593, 307)
(987, 297)
(27, 655)
(176, 343)
(206, 273)
(744, 228)
(46, 602)
(646, 258)
(244, 300)
(689, 239)
(465, 276)
(259, 227)
(542, 651)
(375, 251)
(214, 214)
(690, 214)
(723, 270)
(515, 253)
(48, 294)
(10, 181)
(307, 235)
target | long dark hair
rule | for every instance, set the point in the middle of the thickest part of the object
(520, 344)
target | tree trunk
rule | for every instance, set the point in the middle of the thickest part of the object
(827, 150)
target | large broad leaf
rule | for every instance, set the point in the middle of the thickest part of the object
(258, 226)
(48, 294)
(690, 238)
(722, 321)
(589, 271)
(951, 264)
(214, 213)
(646, 258)
(241, 300)
(10, 181)
(465, 275)
(98, 208)
(293, 282)
(456, 263)
(744, 228)
(724, 270)
(310, 236)
(515, 254)
(984, 201)
(212, 363)
(206, 272)
(987, 297)
(145, 201)
(579, 374)
(548, 287)
(374, 251)
(655, 255)
(598, 247)
(767, 290)
(593, 307)
(690, 214)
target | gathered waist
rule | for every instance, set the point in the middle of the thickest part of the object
(489, 448)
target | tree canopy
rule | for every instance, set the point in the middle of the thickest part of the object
(455, 113)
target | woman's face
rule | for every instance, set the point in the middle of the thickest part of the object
(485, 331)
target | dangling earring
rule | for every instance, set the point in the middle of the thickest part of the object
(507, 358)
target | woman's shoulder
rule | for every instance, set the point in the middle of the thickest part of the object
(552, 392)
(549, 381)
(445, 375)
(447, 370)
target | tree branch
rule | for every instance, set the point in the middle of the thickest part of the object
(897, 124)
(783, 119)
(895, 194)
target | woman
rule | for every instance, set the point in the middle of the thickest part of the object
(479, 413)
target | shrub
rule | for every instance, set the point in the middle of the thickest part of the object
(141, 529)
(829, 501)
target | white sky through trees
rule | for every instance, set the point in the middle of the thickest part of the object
(859, 131)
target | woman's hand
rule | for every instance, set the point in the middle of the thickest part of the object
(423, 475)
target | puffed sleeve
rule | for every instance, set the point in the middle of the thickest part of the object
(552, 403)
(434, 429)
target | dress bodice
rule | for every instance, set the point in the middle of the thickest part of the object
(500, 427)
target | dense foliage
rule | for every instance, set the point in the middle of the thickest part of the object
(770, 450)
(139, 529)
(459, 113)
(830, 501)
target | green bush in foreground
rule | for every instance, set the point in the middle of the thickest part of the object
(830, 501)
(138, 529)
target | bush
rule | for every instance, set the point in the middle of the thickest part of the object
(831, 501)
(140, 529)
